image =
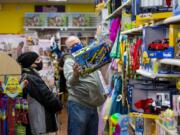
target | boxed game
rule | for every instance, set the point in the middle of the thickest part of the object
(92, 57)
(157, 44)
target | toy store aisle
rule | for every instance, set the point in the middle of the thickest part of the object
(63, 122)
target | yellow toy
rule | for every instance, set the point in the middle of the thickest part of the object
(146, 59)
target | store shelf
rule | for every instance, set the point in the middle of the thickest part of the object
(61, 28)
(118, 10)
(152, 75)
(170, 132)
(175, 62)
(173, 19)
(147, 116)
(145, 73)
(132, 31)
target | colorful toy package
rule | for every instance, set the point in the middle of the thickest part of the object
(92, 57)
(119, 124)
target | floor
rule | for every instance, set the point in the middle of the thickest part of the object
(63, 121)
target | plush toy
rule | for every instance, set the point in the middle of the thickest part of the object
(145, 104)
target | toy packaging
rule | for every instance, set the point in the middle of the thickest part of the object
(153, 6)
(176, 104)
(34, 20)
(176, 7)
(119, 124)
(174, 39)
(56, 20)
(91, 58)
(157, 44)
(139, 125)
(81, 20)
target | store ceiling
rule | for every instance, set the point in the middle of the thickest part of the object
(45, 1)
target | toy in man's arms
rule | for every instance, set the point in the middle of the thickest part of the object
(91, 58)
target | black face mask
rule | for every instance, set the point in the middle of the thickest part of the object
(39, 66)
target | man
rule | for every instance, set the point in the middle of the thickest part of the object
(41, 101)
(19, 48)
(84, 94)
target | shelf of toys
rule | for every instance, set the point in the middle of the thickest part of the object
(13, 107)
(145, 42)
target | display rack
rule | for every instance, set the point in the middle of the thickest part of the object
(153, 75)
(62, 28)
(175, 62)
(64, 21)
(138, 30)
(132, 31)
(148, 116)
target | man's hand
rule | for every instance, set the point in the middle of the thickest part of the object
(77, 70)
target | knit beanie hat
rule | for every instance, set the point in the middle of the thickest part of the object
(27, 59)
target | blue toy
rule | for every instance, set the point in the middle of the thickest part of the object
(55, 49)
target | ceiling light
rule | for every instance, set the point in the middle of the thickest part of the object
(58, 0)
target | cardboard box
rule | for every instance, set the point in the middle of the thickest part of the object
(154, 34)
(92, 57)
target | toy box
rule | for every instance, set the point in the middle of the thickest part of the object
(157, 44)
(92, 57)
(176, 7)
(79, 20)
(56, 20)
(174, 39)
(153, 6)
(35, 20)
(118, 124)
(148, 11)
(126, 21)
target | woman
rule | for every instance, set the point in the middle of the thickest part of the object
(42, 102)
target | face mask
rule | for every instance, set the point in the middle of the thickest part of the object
(77, 47)
(39, 66)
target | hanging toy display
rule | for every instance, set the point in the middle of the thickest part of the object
(135, 54)
(55, 47)
(13, 108)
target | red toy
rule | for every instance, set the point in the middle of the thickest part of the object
(135, 54)
(144, 104)
(159, 45)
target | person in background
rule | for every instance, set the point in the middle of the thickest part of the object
(19, 48)
(84, 95)
(43, 105)
(62, 79)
